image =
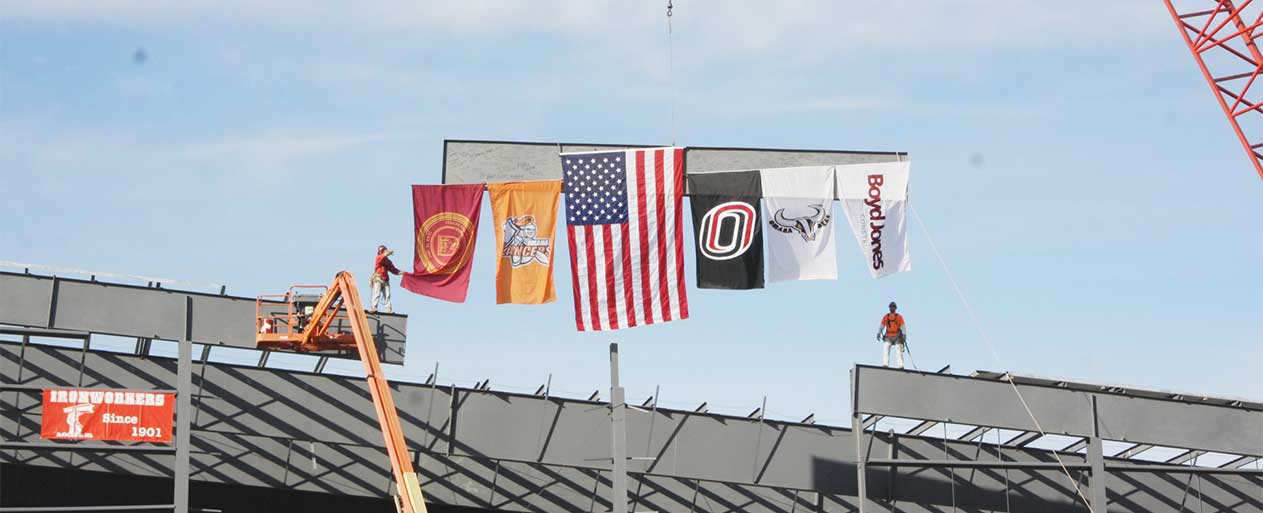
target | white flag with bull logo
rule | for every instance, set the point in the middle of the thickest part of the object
(875, 199)
(798, 210)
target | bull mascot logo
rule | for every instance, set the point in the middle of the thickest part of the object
(808, 226)
(520, 245)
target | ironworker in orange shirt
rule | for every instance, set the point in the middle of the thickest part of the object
(382, 269)
(893, 333)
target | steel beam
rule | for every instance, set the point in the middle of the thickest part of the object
(921, 428)
(86, 447)
(973, 433)
(37, 388)
(1137, 416)
(1185, 469)
(125, 507)
(467, 162)
(43, 332)
(1240, 462)
(1076, 446)
(1025, 465)
(872, 420)
(1133, 451)
(1185, 457)
(70, 308)
(1024, 439)
(1052, 465)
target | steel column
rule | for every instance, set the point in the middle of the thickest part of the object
(618, 439)
(857, 430)
(17, 397)
(184, 411)
(1096, 458)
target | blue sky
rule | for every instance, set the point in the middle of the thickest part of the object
(1068, 160)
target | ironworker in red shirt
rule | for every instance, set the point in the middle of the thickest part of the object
(382, 269)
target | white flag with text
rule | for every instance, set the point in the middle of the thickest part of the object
(875, 199)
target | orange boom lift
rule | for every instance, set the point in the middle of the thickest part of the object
(305, 327)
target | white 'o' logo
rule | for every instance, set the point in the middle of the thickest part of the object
(727, 230)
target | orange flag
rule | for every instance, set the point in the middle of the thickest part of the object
(525, 217)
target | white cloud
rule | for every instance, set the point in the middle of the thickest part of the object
(723, 26)
(282, 147)
(133, 85)
(835, 104)
(54, 151)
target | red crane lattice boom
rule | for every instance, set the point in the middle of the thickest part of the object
(1223, 43)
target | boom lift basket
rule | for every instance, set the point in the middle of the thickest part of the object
(315, 319)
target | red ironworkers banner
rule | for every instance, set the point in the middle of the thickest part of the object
(83, 414)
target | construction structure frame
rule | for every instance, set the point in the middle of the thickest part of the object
(149, 312)
(257, 425)
(1222, 38)
(180, 447)
(1034, 407)
(312, 431)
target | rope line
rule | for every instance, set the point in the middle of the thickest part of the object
(1008, 376)
(671, 67)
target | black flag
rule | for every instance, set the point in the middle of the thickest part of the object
(728, 233)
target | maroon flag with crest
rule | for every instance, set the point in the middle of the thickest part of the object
(446, 226)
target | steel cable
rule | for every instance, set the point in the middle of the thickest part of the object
(1008, 376)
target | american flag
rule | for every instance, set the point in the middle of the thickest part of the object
(626, 247)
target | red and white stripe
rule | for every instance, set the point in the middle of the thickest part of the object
(632, 274)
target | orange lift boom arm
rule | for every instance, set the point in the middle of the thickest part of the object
(343, 296)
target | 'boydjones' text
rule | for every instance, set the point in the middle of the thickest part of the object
(875, 214)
